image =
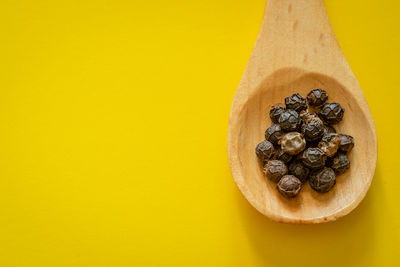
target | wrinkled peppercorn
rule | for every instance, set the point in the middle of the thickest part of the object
(301, 144)
(317, 97)
(330, 144)
(340, 163)
(322, 180)
(275, 112)
(296, 102)
(313, 158)
(313, 130)
(293, 143)
(282, 155)
(274, 133)
(307, 116)
(346, 142)
(328, 129)
(298, 169)
(275, 169)
(331, 113)
(264, 150)
(289, 120)
(289, 186)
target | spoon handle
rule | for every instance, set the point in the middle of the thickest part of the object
(297, 33)
(291, 14)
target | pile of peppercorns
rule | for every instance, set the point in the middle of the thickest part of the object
(302, 144)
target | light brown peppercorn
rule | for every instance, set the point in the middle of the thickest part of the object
(293, 143)
(307, 116)
(329, 144)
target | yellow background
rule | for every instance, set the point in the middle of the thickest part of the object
(113, 129)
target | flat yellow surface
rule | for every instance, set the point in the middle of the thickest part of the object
(113, 130)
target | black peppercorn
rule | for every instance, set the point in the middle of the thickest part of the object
(340, 163)
(289, 186)
(331, 113)
(274, 133)
(298, 169)
(313, 158)
(317, 97)
(322, 180)
(330, 144)
(289, 120)
(264, 150)
(313, 130)
(293, 143)
(276, 112)
(302, 145)
(346, 142)
(275, 169)
(282, 155)
(328, 129)
(296, 102)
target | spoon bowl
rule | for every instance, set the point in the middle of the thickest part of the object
(310, 206)
(268, 79)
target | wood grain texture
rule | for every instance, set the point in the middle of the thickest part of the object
(296, 51)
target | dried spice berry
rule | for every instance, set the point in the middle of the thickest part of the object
(330, 144)
(317, 97)
(331, 113)
(276, 112)
(302, 144)
(340, 163)
(264, 150)
(313, 130)
(322, 180)
(293, 143)
(313, 158)
(275, 170)
(296, 102)
(289, 120)
(346, 142)
(328, 129)
(298, 169)
(307, 116)
(282, 155)
(274, 133)
(289, 186)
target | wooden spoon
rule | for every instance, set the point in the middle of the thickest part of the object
(296, 51)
